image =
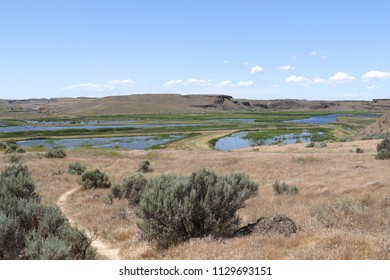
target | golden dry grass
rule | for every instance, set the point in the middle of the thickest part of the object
(342, 208)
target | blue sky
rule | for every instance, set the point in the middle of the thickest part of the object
(327, 50)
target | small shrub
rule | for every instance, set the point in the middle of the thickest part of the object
(133, 188)
(282, 188)
(76, 168)
(14, 148)
(56, 152)
(14, 159)
(116, 191)
(174, 209)
(310, 145)
(383, 149)
(359, 151)
(145, 167)
(94, 179)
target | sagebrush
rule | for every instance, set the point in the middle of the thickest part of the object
(176, 208)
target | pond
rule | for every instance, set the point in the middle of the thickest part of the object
(317, 120)
(129, 142)
(240, 140)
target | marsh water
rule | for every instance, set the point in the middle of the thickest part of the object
(130, 142)
(239, 140)
(231, 142)
(316, 120)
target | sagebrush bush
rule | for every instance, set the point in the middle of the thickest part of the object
(283, 188)
(133, 187)
(76, 168)
(383, 149)
(14, 148)
(175, 208)
(15, 180)
(94, 179)
(14, 159)
(56, 152)
(145, 167)
(30, 230)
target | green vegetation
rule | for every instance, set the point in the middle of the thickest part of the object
(56, 152)
(383, 149)
(10, 147)
(315, 134)
(145, 167)
(30, 230)
(76, 168)
(132, 189)
(174, 209)
(283, 188)
(94, 179)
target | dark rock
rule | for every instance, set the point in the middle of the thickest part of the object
(280, 224)
(204, 106)
(246, 103)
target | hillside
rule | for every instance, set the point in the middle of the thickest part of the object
(380, 127)
(173, 103)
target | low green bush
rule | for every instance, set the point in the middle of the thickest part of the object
(175, 208)
(56, 152)
(76, 168)
(283, 188)
(132, 188)
(383, 149)
(145, 167)
(31, 230)
(94, 179)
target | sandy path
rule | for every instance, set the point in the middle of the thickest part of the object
(198, 143)
(102, 247)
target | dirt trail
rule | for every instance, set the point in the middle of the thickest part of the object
(102, 247)
(198, 143)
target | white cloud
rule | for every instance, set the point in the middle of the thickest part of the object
(223, 84)
(341, 77)
(297, 80)
(174, 83)
(304, 81)
(322, 54)
(286, 68)
(372, 87)
(257, 70)
(376, 75)
(110, 86)
(246, 63)
(188, 83)
(241, 84)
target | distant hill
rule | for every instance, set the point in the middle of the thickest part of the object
(173, 103)
(380, 127)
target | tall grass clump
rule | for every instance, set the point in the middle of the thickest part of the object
(174, 208)
(30, 230)
(56, 152)
(383, 149)
(94, 179)
(283, 188)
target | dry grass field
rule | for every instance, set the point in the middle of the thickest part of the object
(342, 208)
